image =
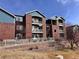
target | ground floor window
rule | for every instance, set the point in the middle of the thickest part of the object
(37, 35)
(61, 34)
(19, 36)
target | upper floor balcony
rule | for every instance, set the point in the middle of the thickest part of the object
(61, 31)
(37, 31)
(20, 28)
(61, 24)
(37, 21)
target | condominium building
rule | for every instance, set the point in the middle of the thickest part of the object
(31, 25)
(55, 27)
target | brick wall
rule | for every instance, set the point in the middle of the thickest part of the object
(44, 27)
(55, 34)
(28, 26)
(7, 30)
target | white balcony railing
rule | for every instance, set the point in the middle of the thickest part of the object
(61, 31)
(37, 23)
(60, 24)
(36, 31)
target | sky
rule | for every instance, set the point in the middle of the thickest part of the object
(69, 9)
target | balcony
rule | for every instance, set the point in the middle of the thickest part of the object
(36, 21)
(19, 27)
(37, 31)
(19, 19)
(61, 31)
(60, 24)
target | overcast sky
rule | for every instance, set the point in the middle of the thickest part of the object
(69, 9)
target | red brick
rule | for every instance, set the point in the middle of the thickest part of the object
(7, 30)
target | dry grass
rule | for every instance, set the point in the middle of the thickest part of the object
(19, 54)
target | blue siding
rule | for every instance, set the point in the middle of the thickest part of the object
(4, 17)
(35, 14)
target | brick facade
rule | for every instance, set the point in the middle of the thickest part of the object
(55, 34)
(44, 27)
(55, 28)
(28, 26)
(7, 30)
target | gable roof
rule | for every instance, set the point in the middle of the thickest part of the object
(35, 11)
(55, 17)
(7, 12)
(74, 25)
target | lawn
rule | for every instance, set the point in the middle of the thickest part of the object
(20, 54)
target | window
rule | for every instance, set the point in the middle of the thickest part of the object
(40, 20)
(48, 21)
(40, 35)
(60, 21)
(61, 34)
(54, 22)
(60, 27)
(19, 36)
(55, 30)
(40, 27)
(19, 19)
(32, 35)
(19, 27)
